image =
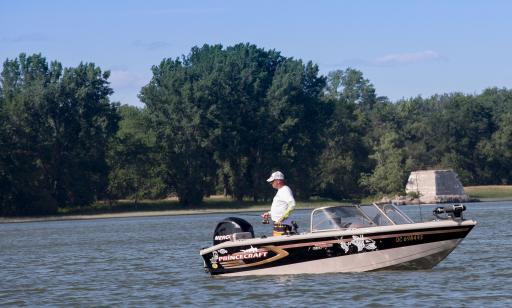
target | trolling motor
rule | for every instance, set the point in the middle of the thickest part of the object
(450, 212)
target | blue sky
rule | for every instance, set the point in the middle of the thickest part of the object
(405, 48)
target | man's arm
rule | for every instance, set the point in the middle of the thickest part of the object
(291, 207)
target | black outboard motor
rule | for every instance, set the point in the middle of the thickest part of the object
(232, 228)
(454, 212)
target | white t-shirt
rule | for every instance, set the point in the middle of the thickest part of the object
(283, 201)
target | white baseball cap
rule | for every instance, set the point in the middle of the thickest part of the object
(278, 175)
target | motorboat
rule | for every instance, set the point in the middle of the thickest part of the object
(345, 238)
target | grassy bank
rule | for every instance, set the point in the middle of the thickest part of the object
(482, 193)
(216, 203)
(490, 192)
(146, 208)
(219, 204)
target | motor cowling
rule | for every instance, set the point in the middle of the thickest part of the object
(229, 227)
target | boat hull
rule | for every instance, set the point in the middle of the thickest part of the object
(418, 246)
(422, 256)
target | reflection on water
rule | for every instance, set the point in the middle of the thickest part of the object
(155, 261)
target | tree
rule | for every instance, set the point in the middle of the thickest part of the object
(496, 152)
(297, 117)
(174, 101)
(249, 109)
(22, 189)
(391, 170)
(58, 123)
(134, 165)
(240, 133)
(345, 156)
(459, 126)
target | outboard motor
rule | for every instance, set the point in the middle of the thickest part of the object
(232, 228)
(454, 212)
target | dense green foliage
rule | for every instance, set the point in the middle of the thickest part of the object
(220, 120)
(229, 116)
(56, 124)
(134, 162)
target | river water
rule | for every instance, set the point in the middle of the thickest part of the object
(154, 261)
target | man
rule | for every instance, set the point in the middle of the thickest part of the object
(282, 205)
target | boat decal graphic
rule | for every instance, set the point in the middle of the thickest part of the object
(238, 260)
(373, 237)
(215, 257)
(252, 249)
(223, 237)
(360, 243)
(243, 256)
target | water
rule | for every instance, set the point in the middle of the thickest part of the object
(155, 262)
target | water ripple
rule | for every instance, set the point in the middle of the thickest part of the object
(155, 262)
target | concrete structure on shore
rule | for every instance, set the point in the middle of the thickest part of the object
(436, 186)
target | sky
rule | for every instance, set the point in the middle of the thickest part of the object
(405, 48)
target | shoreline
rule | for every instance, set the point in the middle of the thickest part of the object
(132, 214)
(128, 215)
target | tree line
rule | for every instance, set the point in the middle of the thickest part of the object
(219, 120)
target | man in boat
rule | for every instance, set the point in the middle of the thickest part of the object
(282, 205)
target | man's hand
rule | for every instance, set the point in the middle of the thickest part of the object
(266, 217)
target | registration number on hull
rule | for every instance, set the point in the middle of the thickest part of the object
(409, 238)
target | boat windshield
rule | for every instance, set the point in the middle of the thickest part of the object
(356, 216)
(395, 214)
